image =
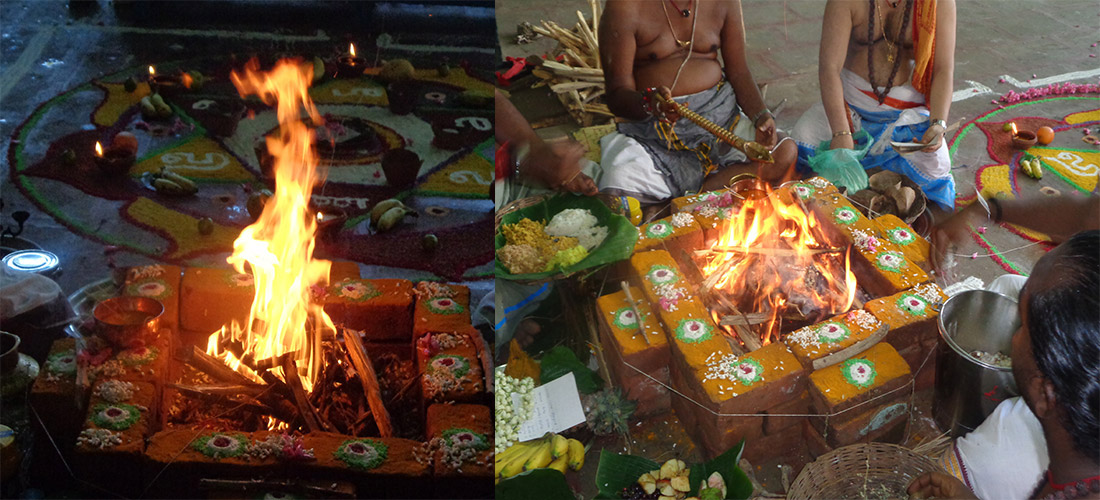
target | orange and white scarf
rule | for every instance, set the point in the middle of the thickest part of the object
(924, 43)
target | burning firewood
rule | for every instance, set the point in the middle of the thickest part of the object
(214, 367)
(301, 399)
(357, 353)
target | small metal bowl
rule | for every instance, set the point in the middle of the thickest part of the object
(122, 320)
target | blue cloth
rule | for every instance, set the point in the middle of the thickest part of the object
(939, 190)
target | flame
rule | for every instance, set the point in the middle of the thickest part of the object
(772, 258)
(186, 80)
(152, 71)
(278, 247)
(351, 49)
(98, 149)
(1013, 126)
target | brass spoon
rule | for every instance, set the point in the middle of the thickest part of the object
(753, 150)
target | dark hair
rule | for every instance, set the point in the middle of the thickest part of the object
(1064, 324)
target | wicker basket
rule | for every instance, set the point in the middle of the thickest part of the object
(861, 471)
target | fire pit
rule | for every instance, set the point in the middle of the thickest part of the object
(775, 307)
(285, 366)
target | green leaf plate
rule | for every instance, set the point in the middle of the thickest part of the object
(619, 244)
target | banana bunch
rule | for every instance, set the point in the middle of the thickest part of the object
(173, 184)
(388, 213)
(1031, 166)
(153, 106)
(552, 451)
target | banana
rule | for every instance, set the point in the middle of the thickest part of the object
(576, 454)
(381, 208)
(392, 217)
(559, 464)
(166, 186)
(560, 446)
(179, 179)
(540, 458)
(1037, 168)
(147, 107)
(515, 464)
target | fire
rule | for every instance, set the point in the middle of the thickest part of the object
(351, 49)
(278, 248)
(152, 71)
(772, 259)
(98, 149)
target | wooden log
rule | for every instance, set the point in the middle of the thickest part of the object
(215, 367)
(851, 350)
(776, 252)
(574, 56)
(561, 69)
(587, 34)
(301, 399)
(219, 390)
(594, 94)
(595, 5)
(484, 356)
(357, 353)
(566, 87)
(749, 319)
(748, 337)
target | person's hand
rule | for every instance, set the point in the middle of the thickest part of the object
(933, 137)
(948, 235)
(765, 131)
(558, 166)
(842, 141)
(663, 111)
(939, 485)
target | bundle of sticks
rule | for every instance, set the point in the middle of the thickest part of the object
(575, 73)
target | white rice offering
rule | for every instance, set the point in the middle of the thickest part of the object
(580, 224)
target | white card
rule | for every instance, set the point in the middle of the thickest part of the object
(557, 407)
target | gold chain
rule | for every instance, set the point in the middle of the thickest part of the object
(892, 51)
(680, 43)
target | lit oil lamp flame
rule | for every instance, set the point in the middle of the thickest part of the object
(1013, 126)
(98, 149)
(351, 49)
(152, 71)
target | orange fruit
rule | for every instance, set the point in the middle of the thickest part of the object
(125, 140)
(1045, 135)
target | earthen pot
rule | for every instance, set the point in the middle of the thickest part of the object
(1024, 139)
(401, 167)
(402, 97)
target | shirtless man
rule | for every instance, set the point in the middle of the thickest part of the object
(875, 78)
(673, 45)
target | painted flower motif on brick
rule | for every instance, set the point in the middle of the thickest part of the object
(803, 191)
(845, 215)
(241, 280)
(362, 453)
(625, 319)
(912, 304)
(221, 445)
(859, 372)
(692, 331)
(748, 371)
(662, 275)
(465, 438)
(457, 366)
(658, 230)
(890, 261)
(356, 291)
(444, 305)
(832, 332)
(62, 363)
(901, 236)
(154, 289)
(117, 417)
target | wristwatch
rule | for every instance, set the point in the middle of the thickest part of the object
(938, 121)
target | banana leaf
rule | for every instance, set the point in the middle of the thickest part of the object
(619, 244)
(616, 472)
(561, 360)
(738, 485)
(535, 483)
